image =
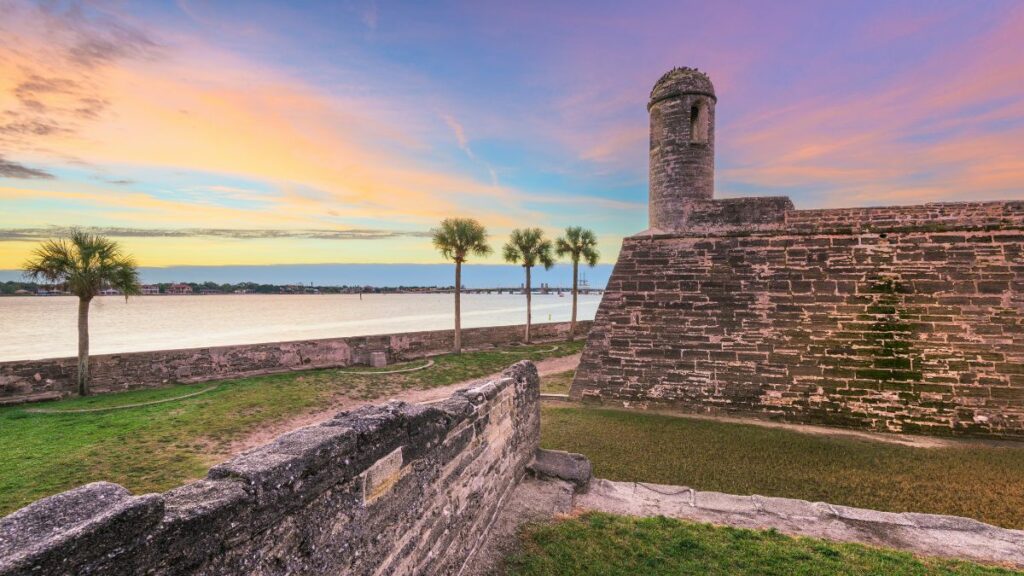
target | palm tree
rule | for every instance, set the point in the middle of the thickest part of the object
(457, 238)
(528, 247)
(578, 244)
(85, 264)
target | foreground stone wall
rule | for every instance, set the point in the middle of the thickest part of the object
(38, 379)
(902, 319)
(396, 489)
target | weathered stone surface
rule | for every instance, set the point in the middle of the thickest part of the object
(904, 318)
(915, 331)
(682, 149)
(77, 532)
(921, 533)
(397, 489)
(727, 503)
(574, 468)
(33, 380)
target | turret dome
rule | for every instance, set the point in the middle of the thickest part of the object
(678, 81)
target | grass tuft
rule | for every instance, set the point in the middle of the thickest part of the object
(557, 383)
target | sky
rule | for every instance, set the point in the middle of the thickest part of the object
(255, 133)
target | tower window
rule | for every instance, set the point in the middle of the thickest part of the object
(699, 123)
(655, 128)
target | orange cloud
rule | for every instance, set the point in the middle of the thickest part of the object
(331, 158)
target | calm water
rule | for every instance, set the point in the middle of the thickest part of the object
(45, 327)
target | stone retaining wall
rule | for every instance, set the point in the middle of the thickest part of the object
(397, 489)
(37, 379)
(905, 319)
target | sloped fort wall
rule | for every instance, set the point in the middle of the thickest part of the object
(397, 489)
(41, 379)
(900, 318)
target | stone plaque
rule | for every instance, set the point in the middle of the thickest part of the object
(382, 476)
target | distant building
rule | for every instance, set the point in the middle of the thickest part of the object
(209, 291)
(111, 292)
(179, 289)
(150, 289)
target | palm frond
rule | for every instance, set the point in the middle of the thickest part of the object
(528, 247)
(457, 238)
(579, 244)
(84, 263)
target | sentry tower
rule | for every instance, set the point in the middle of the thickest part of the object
(682, 169)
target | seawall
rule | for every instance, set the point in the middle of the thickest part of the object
(50, 378)
(397, 489)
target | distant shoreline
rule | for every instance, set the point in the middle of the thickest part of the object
(43, 327)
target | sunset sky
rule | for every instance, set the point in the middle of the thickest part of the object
(314, 132)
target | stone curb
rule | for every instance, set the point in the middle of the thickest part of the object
(549, 396)
(928, 534)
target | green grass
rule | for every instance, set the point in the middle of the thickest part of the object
(154, 448)
(557, 383)
(596, 544)
(973, 479)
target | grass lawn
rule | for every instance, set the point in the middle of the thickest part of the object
(974, 479)
(557, 383)
(596, 544)
(154, 448)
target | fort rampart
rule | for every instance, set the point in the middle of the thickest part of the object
(903, 318)
(397, 489)
(39, 379)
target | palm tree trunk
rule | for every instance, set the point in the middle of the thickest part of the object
(575, 290)
(83, 346)
(458, 307)
(528, 296)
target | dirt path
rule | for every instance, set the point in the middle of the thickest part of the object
(267, 433)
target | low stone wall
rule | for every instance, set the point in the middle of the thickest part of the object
(32, 379)
(396, 489)
(928, 534)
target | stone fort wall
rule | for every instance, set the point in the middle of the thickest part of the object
(899, 318)
(397, 489)
(43, 379)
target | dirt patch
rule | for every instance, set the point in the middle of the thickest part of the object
(268, 432)
(557, 365)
